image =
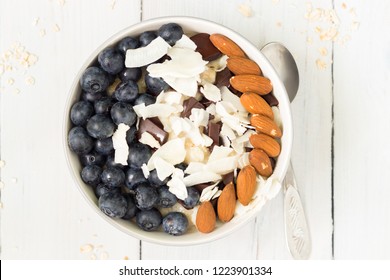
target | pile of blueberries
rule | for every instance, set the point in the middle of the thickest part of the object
(123, 191)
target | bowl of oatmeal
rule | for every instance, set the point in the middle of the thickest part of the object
(177, 131)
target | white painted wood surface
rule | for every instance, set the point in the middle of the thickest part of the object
(43, 216)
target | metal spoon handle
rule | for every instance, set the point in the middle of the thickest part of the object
(297, 232)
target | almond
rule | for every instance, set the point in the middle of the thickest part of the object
(226, 45)
(266, 143)
(246, 184)
(256, 104)
(266, 126)
(227, 203)
(261, 162)
(253, 83)
(205, 217)
(241, 65)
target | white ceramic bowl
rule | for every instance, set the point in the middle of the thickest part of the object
(190, 25)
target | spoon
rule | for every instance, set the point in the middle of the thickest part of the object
(296, 229)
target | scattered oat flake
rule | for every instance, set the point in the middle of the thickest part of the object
(42, 32)
(36, 21)
(323, 51)
(14, 180)
(279, 24)
(309, 40)
(86, 248)
(61, 2)
(30, 80)
(352, 11)
(92, 257)
(113, 3)
(104, 255)
(1, 205)
(1, 185)
(355, 25)
(126, 258)
(10, 81)
(321, 64)
(56, 28)
(275, 1)
(245, 10)
(344, 6)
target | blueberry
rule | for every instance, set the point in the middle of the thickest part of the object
(92, 96)
(145, 98)
(126, 91)
(94, 80)
(104, 146)
(100, 126)
(149, 220)
(81, 112)
(111, 60)
(183, 166)
(131, 135)
(110, 162)
(146, 37)
(146, 196)
(192, 199)
(123, 113)
(131, 208)
(155, 85)
(134, 177)
(103, 105)
(91, 174)
(175, 223)
(154, 180)
(127, 43)
(133, 74)
(165, 197)
(79, 141)
(93, 157)
(170, 32)
(113, 176)
(113, 204)
(138, 155)
(103, 188)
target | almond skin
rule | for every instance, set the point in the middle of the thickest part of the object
(241, 66)
(261, 162)
(256, 104)
(246, 184)
(266, 125)
(227, 203)
(268, 144)
(252, 83)
(226, 46)
(206, 218)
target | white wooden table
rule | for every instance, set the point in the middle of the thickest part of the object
(341, 116)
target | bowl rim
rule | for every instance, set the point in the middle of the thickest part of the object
(193, 21)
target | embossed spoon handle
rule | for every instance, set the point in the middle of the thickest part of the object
(297, 232)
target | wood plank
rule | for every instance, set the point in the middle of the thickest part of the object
(312, 122)
(362, 95)
(44, 216)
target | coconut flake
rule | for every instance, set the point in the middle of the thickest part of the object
(145, 55)
(185, 42)
(227, 131)
(176, 184)
(156, 110)
(218, 64)
(219, 152)
(194, 167)
(145, 170)
(195, 154)
(172, 151)
(200, 117)
(170, 97)
(120, 144)
(209, 192)
(211, 92)
(186, 86)
(163, 168)
(201, 177)
(229, 96)
(148, 139)
(243, 160)
(223, 166)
